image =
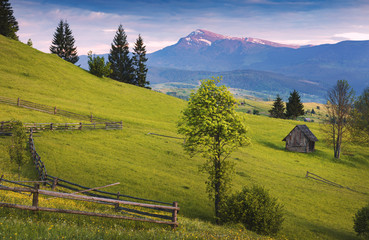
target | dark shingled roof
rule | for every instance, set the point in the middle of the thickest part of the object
(306, 131)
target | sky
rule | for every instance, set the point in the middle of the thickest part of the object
(163, 22)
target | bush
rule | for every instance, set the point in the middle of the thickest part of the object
(361, 222)
(255, 209)
(97, 65)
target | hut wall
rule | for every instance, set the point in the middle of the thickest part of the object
(297, 142)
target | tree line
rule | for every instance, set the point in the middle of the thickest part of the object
(121, 66)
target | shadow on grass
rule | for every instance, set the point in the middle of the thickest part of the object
(330, 232)
(280, 147)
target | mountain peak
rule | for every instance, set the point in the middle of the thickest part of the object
(203, 38)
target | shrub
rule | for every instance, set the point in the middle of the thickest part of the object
(255, 209)
(361, 222)
(97, 65)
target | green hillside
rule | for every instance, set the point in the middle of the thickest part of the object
(156, 168)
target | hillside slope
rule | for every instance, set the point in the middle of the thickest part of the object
(47, 79)
(157, 168)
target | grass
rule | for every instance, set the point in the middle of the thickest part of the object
(157, 168)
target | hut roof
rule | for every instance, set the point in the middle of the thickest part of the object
(306, 131)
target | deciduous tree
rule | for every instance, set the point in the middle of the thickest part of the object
(213, 129)
(97, 65)
(340, 101)
(8, 23)
(17, 147)
(359, 124)
(121, 63)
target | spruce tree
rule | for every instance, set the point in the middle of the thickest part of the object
(121, 63)
(57, 47)
(8, 23)
(294, 107)
(70, 49)
(63, 43)
(139, 60)
(278, 108)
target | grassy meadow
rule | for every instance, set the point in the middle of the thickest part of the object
(157, 168)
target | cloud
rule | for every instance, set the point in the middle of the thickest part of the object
(352, 36)
(162, 24)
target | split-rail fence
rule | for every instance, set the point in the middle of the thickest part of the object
(118, 204)
(144, 209)
(50, 109)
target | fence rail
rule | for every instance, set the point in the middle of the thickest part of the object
(6, 127)
(149, 208)
(50, 109)
(36, 191)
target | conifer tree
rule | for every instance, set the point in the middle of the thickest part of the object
(121, 63)
(63, 43)
(8, 23)
(278, 108)
(70, 49)
(139, 60)
(294, 107)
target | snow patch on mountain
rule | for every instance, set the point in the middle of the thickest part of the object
(205, 41)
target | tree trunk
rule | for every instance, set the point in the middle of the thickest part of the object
(337, 150)
(217, 197)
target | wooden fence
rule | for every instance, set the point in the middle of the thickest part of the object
(50, 109)
(39, 165)
(145, 213)
(36, 191)
(6, 127)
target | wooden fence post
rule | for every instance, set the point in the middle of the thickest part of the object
(18, 102)
(51, 126)
(54, 183)
(35, 196)
(91, 118)
(174, 216)
(117, 204)
(80, 126)
(54, 110)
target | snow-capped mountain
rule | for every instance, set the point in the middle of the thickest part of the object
(321, 64)
(203, 38)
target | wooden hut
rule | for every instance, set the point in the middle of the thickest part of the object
(300, 139)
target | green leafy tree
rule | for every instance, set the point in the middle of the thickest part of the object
(361, 222)
(17, 147)
(359, 124)
(294, 107)
(97, 65)
(121, 63)
(63, 43)
(213, 129)
(139, 63)
(8, 23)
(340, 101)
(278, 108)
